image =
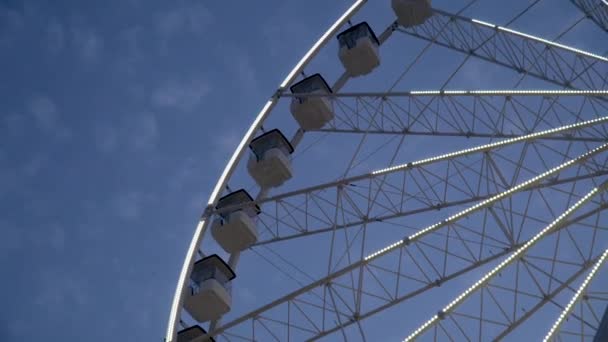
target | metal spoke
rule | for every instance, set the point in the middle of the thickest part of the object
(596, 10)
(535, 56)
(422, 235)
(301, 220)
(515, 257)
(551, 335)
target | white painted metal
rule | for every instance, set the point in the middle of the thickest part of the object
(505, 263)
(209, 301)
(551, 335)
(272, 170)
(360, 54)
(453, 93)
(360, 59)
(412, 12)
(312, 113)
(577, 68)
(409, 240)
(190, 334)
(235, 233)
(178, 298)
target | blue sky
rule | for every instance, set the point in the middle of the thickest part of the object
(116, 118)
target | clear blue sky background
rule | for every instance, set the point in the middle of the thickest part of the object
(116, 118)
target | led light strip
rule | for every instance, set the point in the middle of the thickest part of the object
(517, 254)
(509, 92)
(426, 161)
(496, 92)
(491, 146)
(576, 297)
(544, 41)
(178, 297)
(486, 203)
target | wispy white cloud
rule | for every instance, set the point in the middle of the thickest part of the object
(184, 96)
(246, 295)
(106, 138)
(14, 123)
(227, 142)
(88, 44)
(46, 117)
(280, 28)
(33, 166)
(184, 174)
(128, 206)
(11, 22)
(133, 133)
(187, 17)
(13, 238)
(130, 49)
(44, 111)
(191, 16)
(239, 63)
(245, 73)
(144, 131)
(58, 291)
(130, 36)
(55, 36)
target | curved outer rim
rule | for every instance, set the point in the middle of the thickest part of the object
(178, 297)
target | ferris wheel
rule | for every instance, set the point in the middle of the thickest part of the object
(421, 174)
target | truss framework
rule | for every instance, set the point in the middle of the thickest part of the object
(596, 10)
(417, 252)
(412, 188)
(449, 311)
(578, 296)
(456, 114)
(352, 289)
(553, 62)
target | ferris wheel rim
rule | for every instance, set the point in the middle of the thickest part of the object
(238, 154)
(178, 297)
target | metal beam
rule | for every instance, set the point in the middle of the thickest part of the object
(517, 255)
(575, 299)
(182, 283)
(308, 219)
(464, 113)
(553, 62)
(596, 10)
(418, 239)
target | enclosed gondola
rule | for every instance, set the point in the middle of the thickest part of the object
(210, 290)
(412, 12)
(359, 49)
(269, 164)
(315, 110)
(234, 228)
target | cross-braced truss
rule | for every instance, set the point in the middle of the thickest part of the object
(431, 257)
(523, 53)
(596, 10)
(583, 309)
(470, 114)
(504, 294)
(523, 203)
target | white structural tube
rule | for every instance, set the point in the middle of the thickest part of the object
(178, 297)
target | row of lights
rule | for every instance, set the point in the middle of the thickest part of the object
(544, 41)
(514, 92)
(576, 297)
(497, 92)
(492, 145)
(485, 203)
(517, 254)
